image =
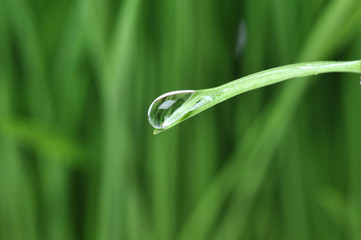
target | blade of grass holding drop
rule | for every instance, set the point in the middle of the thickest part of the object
(201, 100)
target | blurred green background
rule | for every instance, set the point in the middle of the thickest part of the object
(78, 159)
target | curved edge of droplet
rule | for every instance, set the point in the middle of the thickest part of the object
(162, 96)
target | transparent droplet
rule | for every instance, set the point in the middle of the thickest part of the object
(165, 106)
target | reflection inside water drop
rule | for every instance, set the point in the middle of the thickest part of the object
(201, 102)
(164, 106)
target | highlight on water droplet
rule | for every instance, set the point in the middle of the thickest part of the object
(163, 110)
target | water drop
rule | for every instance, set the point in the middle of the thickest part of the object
(162, 112)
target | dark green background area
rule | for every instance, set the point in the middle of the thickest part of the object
(78, 159)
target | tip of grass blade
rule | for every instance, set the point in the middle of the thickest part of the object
(156, 131)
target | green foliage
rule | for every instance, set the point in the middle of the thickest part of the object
(77, 157)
